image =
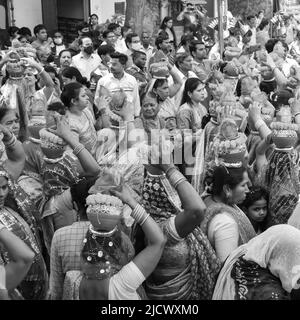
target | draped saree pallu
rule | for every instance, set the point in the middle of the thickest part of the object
(188, 267)
(282, 182)
(246, 230)
(35, 285)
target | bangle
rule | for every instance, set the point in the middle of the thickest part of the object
(147, 216)
(170, 169)
(296, 114)
(43, 69)
(176, 178)
(139, 214)
(11, 142)
(78, 148)
(258, 124)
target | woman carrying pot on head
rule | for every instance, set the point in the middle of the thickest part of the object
(188, 267)
(109, 269)
(225, 225)
(35, 284)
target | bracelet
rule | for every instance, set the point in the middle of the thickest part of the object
(296, 114)
(139, 214)
(176, 178)
(78, 148)
(41, 71)
(258, 124)
(170, 169)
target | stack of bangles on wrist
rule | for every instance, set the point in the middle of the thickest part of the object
(11, 142)
(175, 177)
(258, 124)
(78, 148)
(139, 214)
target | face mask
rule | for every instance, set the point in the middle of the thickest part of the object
(89, 50)
(58, 41)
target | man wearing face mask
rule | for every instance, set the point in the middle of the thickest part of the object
(133, 43)
(83, 30)
(59, 45)
(86, 61)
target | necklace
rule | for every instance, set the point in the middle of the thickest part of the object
(100, 253)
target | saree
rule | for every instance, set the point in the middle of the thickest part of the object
(283, 185)
(246, 230)
(272, 257)
(35, 285)
(188, 268)
(116, 249)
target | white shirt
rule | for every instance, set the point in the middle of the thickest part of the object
(286, 66)
(120, 46)
(86, 65)
(253, 38)
(128, 83)
(123, 285)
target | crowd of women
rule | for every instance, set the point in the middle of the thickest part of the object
(134, 172)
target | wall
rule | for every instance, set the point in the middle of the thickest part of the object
(70, 9)
(104, 8)
(28, 13)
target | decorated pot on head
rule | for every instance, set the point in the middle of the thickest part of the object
(53, 147)
(104, 210)
(267, 110)
(34, 126)
(232, 71)
(159, 70)
(284, 132)
(231, 108)
(229, 146)
(15, 66)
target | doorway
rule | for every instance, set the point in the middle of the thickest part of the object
(65, 15)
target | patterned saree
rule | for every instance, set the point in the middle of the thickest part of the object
(282, 182)
(188, 268)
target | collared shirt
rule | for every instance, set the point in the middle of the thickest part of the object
(140, 75)
(86, 65)
(128, 83)
(66, 248)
